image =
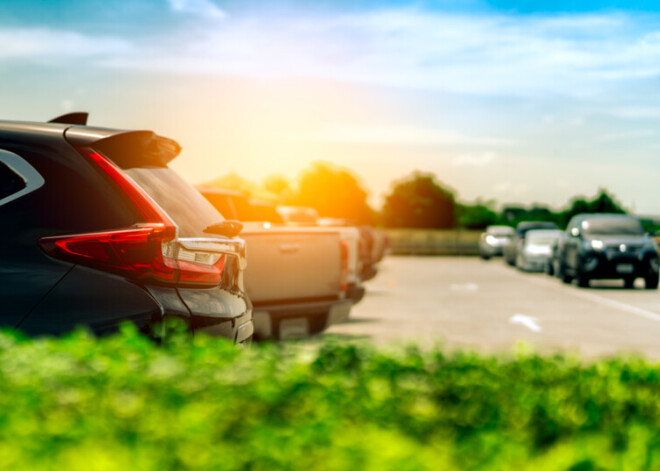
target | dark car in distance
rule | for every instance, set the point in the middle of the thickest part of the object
(607, 246)
(98, 230)
(511, 250)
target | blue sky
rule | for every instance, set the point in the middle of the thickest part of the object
(513, 101)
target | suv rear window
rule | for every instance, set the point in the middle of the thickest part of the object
(10, 182)
(180, 200)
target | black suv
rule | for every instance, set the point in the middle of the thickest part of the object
(98, 231)
(607, 246)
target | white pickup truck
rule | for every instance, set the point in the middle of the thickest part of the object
(296, 277)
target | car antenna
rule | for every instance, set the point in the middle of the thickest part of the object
(78, 117)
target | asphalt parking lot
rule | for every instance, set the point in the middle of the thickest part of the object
(464, 302)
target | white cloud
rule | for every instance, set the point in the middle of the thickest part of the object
(636, 112)
(67, 105)
(39, 43)
(632, 135)
(575, 55)
(400, 135)
(203, 8)
(514, 190)
(472, 160)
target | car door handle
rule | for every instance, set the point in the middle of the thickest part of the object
(289, 248)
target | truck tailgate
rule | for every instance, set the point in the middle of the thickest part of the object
(286, 264)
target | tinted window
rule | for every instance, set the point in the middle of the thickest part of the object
(244, 211)
(542, 239)
(524, 228)
(10, 182)
(267, 214)
(222, 203)
(500, 231)
(612, 226)
(180, 200)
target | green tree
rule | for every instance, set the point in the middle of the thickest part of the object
(603, 202)
(419, 201)
(334, 192)
(478, 216)
(280, 186)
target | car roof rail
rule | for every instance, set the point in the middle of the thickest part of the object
(77, 117)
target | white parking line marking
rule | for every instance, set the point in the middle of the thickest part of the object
(579, 293)
(464, 287)
(527, 321)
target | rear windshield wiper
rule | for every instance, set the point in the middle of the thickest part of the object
(228, 228)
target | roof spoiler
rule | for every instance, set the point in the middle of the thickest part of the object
(79, 118)
(126, 148)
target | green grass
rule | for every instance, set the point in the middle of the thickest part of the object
(123, 403)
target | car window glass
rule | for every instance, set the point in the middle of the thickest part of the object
(180, 200)
(17, 177)
(612, 226)
(10, 181)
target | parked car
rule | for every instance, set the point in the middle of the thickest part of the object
(510, 250)
(300, 279)
(552, 264)
(537, 249)
(493, 240)
(372, 245)
(99, 231)
(608, 246)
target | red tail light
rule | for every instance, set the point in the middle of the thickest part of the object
(343, 267)
(145, 251)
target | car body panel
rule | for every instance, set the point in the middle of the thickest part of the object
(586, 255)
(45, 295)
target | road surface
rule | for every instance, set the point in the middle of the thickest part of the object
(464, 302)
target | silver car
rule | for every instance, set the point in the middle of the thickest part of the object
(536, 249)
(493, 240)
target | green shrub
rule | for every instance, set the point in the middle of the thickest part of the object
(124, 403)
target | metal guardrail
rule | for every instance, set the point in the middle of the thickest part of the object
(434, 242)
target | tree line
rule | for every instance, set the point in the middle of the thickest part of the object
(418, 200)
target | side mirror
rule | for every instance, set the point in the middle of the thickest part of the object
(575, 232)
(227, 228)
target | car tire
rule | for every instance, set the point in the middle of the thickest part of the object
(561, 274)
(582, 280)
(549, 269)
(629, 282)
(651, 282)
(484, 257)
(520, 264)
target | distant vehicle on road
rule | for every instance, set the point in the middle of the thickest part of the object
(511, 250)
(373, 243)
(100, 231)
(537, 249)
(300, 279)
(493, 240)
(608, 246)
(552, 265)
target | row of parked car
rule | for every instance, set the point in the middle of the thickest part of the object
(593, 247)
(99, 230)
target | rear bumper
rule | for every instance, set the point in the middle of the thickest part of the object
(297, 320)
(369, 271)
(240, 329)
(491, 250)
(355, 293)
(220, 313)
(534, 263)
